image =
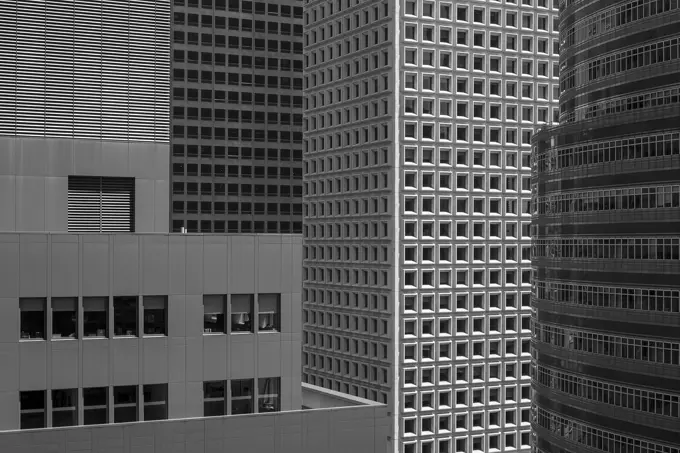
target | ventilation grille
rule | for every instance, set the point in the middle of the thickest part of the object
(101, 205)
(95, 69)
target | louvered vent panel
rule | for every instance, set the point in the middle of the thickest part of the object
(104, 205)
(95, 69)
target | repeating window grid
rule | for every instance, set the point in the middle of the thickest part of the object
(621, 248)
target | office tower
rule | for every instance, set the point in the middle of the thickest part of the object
(416, 280)
(605, 245)
(237, 116)
(106, 329)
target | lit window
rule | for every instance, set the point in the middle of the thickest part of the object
(241, 313)
(213, 314)
(32, 318)
(155, 315)
(269, 394)
(125, 316)
(269, 312)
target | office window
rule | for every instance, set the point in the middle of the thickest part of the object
(213, 314)
(269, 394)
(32, 409)
(125, 404)
(125, 316)
(95, 316)
(95, 405)
(32, 318)
(64, 315)
(241, 396)
(269, 312)
(214, 399)
(155, 315)
(241, 313)
(65, 407)
(155, 402)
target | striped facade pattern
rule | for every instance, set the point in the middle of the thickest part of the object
(85, 69)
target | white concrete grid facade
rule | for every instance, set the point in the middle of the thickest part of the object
(419, 117)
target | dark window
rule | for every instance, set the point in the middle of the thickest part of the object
(95, 409)
(214, 402)
(155, 315)
(125, 316)
(32, 318)
(32, 409)
(64, 316)
(213, 314)
(125, 404)
(65, 407)
(242, 396)
(155, 402)
(269, 394)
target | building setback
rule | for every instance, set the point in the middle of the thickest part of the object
(106, 318)
(605, 244)
(236, 116)
(416, 279)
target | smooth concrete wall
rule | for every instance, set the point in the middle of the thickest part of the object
(34, 180)
(359, 429)
(181, 267)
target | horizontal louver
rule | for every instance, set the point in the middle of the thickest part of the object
(94, 69)
(101, 205)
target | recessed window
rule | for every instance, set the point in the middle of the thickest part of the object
(64, 317)
(95, 408)
(125, 403)
(269, 312)
(155, 402)
(155, 315)
(213, 314)
(242, 313)
(214, 399)
(64, 407)
(125, 316)
(32, 318)
(269, 394)
(241, 396)
(32, 409)
(95, 319)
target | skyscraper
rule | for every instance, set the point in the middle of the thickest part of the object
(237, 116)
(418, 119)
(605, 244)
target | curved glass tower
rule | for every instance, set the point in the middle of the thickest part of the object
(606, 235)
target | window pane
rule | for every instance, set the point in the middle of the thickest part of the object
(213, 314)
(156, 402)
(241, 313)
(65, 407)
(64, 314)
(242, 396)
(32, 409)
(95, 310)
(269, 394)
(32, 318)
(269, 314)
(125, 316)
(125, 404)
(95, 410)
(155, 315)
(213, 399)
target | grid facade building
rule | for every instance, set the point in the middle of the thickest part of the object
(236, 116)
(605, 245)
(416, 278)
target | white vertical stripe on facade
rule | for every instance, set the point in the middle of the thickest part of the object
(85, 69)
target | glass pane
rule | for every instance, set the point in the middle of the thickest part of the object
(125, 404)
(95, 310)
(125, 316)
(213, 398)
(269, 394)
(213, 314)
(241, 313)
(64, 407)
(155, 315)
(269, 317)
(242, 396)
(155, 402)
(95, 406)
(32, 408)
(64, 318)
(32, 318)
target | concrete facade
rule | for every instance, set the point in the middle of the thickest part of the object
(181, 267)
(352, 425)
(34, 179)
